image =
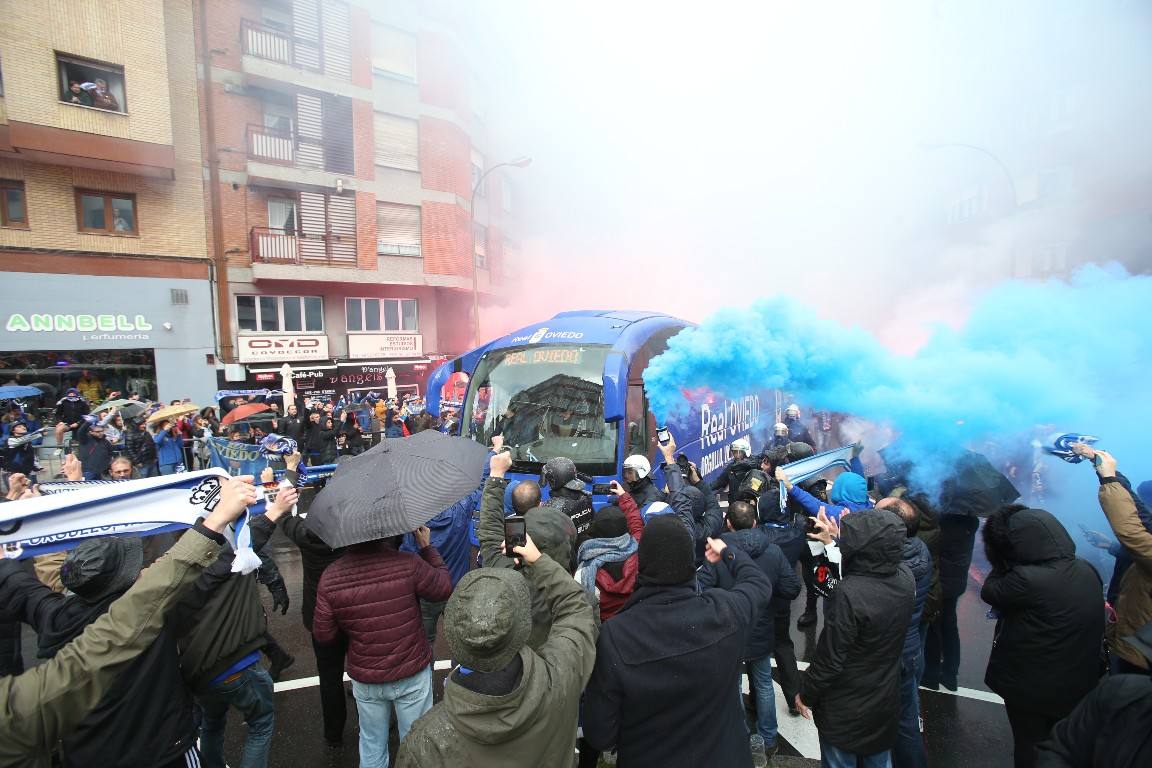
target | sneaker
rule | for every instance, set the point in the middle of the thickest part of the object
(807, 619)
(38, 467)
(59, 452)
(756, 745)
(770, 751)
(950, 683)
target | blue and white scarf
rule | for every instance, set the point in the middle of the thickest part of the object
(65, 517)
(596, 552)
(806, 469)
(223, 393)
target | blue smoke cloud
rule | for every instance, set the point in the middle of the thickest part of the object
(1071, 354)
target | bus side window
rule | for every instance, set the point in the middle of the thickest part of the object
(637, 417)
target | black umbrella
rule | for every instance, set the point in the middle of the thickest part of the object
(396, 487)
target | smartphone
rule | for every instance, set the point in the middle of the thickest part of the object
(515, 534)
(601, 489)
(682, 461)
(810, 525)
(663, 435)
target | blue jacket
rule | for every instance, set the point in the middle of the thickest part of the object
(919, 561)
(450, 533)
(849, 492)
(169, 448)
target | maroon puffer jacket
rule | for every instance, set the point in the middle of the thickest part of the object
(369, 595)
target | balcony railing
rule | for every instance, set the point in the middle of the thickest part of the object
(271, 145)
(270, 245)
(277, 45)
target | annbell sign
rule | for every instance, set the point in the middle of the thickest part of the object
(100, 327)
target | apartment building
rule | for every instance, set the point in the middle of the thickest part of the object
(104, 270)
(342, 143)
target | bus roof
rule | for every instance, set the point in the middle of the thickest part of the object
(589, 327)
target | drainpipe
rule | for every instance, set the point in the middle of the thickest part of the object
(219, 260)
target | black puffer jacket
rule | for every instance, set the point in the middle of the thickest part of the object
(1109, 727)
(853, 683)
(149, 689)
(315, 556)
(782, 576)
(919, 562)
(1046, 652)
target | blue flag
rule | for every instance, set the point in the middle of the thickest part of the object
(237, 458)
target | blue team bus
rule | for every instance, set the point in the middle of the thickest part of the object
(573, 386)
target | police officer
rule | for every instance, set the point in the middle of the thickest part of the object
(567, 492)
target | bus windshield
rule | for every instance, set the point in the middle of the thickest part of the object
(546, 401)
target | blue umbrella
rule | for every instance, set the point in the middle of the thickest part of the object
(18, 390)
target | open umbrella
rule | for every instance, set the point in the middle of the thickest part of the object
(396, 487)
(129, 409)
(173, 412)
(241, 412)
(15, 391)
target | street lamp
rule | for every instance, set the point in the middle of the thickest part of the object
(520, 162)
(987, 153)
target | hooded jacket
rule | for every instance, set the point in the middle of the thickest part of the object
(139, 446)
(169, 446)
(43, 705)
(534, 725)
(70, 409)
(148, 690)
(1108, 728)
(849, 492)
(1134, 605)
(853, 682)
(781, 575)
(1046, 650)
(662, 692)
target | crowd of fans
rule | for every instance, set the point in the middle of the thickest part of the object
(623, 632)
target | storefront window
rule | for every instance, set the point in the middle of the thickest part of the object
(94, 373)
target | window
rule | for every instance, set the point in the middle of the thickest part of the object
(397, 229)
(13, 206)
(480, 233)
(396, 142)
(394, 52)
(275, 314)
(368, 315)
(107, 213)
(282, 216)
(87, 83)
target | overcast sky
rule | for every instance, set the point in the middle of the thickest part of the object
(691, 156)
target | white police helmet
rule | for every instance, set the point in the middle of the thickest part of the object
(639, 464)
(742, 445)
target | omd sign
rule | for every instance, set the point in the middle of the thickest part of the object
(277, 348)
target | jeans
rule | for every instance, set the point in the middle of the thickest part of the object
(412, 697)
(333, 704)
(909, 750)
(251, 694)
(148, 470)
(760, 671)
(942, 646)
(168, 469)
(834, 757)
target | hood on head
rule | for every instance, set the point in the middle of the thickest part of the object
(553, 533)
(872, 542)
(699, 503)
(849, 488)
(752, 541)
(1037, 536)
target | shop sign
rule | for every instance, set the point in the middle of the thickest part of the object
(104, 327)
(278, 348)
(266, 377)
(363, 346)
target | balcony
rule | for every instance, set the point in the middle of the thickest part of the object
(296, 248)
(280, 47)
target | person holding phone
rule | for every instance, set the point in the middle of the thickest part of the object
(508, 700)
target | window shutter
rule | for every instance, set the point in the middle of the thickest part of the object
(396, 142)
(337, 31)
(342, 225)
(306, 31)
(397, 229)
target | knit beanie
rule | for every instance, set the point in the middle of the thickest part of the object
(608, 524)
(665, 553)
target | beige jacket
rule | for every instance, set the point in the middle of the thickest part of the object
(1134, 605)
